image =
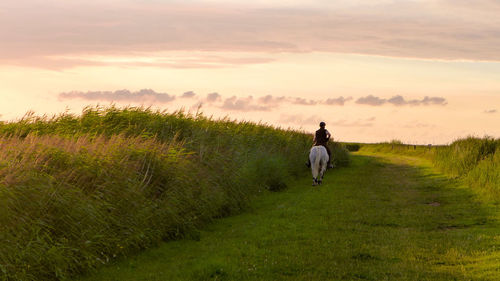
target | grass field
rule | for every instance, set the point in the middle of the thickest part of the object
(76, 192)
(383, 218)
(79, 192)
(474, 160)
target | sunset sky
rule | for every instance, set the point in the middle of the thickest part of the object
(375, 70)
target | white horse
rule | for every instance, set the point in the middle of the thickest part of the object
(319, 159)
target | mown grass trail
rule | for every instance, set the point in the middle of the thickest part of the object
(382, 218)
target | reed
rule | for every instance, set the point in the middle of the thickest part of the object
(78, 191)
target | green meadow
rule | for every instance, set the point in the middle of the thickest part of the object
(382, 218)
(474, 160)
(135, 194)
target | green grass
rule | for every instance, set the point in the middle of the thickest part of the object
(474, 160)
(383, 218)
(77, 192)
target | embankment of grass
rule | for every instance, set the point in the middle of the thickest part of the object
(78, 191)
(475, 160)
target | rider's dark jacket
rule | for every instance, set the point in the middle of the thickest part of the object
(321, 137)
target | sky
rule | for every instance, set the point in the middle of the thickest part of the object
(423, 72)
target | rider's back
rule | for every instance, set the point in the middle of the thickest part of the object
(321, 137)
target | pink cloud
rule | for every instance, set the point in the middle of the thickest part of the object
(144, 95)
(303, 101)
(371, 100)
(40, 31)
(188, 94)
(243, 104)
(269, 99)
(400, 101)
(313, 120)
(213, 97)
(337, 101)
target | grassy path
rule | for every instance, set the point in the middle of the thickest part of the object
(383, 218)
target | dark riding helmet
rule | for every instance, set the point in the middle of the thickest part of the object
(322, 124)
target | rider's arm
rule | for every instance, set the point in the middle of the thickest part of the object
(328, 135)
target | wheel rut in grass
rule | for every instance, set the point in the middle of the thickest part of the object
(382, 218)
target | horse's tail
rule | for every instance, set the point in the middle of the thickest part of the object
(317, 160)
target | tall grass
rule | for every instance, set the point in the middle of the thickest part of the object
(68, 205)
(476, 160)
(485, 176)
(463, 155)
(78, 191)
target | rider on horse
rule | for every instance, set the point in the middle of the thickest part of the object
(321, 137)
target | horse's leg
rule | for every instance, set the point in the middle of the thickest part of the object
(321, 176)
(322, 171)
(315, 178)
(313, 157)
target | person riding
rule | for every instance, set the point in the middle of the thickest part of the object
(321, 137)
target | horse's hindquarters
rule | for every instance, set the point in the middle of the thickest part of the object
(318, 156)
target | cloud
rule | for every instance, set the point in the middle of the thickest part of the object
(249, 103)
(397, 100)
(213, 97)
(172, 60)
(313, 120)
(400, 101)
(48, 33)
(269, 99)
(490, 111)
(303, 101)
(371, 100)
(189, 94)
(243, 104)
(144, 95)
(266, 99)
(338, 101)
(433, 100)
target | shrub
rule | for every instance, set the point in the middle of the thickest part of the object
(340, 154)
(353, 147)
